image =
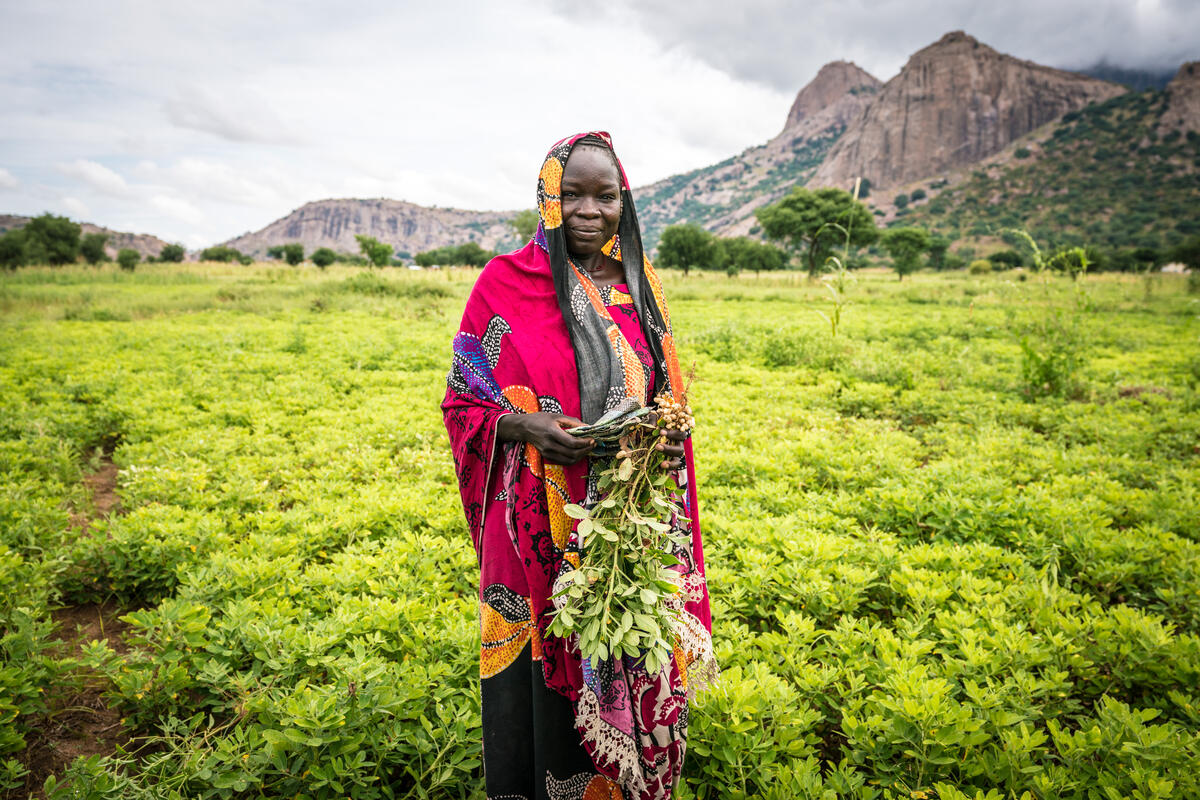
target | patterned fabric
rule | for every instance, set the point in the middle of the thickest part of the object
(602, 364)
(538, 335)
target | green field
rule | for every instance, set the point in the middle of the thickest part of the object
(954, 552)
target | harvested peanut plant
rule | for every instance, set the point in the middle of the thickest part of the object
(620, 601)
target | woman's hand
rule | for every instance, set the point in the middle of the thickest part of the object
(672, 449)
(545, 431)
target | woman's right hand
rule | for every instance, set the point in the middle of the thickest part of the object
(545, 431)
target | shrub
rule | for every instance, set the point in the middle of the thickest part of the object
(1009, 259)
(293, 253)
(1022, 152)
(323, 257)
(221, 253)
(12, 249)
(173, 253)
(128, 258)
(91, 247)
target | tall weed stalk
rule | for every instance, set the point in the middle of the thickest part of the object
(835, 282)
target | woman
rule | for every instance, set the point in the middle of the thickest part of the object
(554, 334)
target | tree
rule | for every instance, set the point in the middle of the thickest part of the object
(905, 246)
(171, 253)
(1010, 258)
(12, 249)
(938, 245)
(221, 253)
(323, 257)
(275, 252)
(472, 255)
(51, 240)
(293, 253)
(91, 247)
(901, 200)
(1187, 253)
(469, 254)
(687, 246)
(377, 252)
(525, 224)
(918, 194)
(128, 258)
(816, 222)
(740, 253)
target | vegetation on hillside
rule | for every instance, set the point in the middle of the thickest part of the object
(1103, 177)
(678, 200)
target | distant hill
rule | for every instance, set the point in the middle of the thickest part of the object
(408, 227)
(144, 243)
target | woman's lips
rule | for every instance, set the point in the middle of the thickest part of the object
(586, 233)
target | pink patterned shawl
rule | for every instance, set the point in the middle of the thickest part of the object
(514, 354)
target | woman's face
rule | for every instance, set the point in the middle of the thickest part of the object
(591, 200)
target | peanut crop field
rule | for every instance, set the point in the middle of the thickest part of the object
(953, 550)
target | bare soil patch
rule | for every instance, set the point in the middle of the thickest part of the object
(79, 723)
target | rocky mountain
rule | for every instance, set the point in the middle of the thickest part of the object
(956, 107)
(408, 227)
(1100, 176)
(1183, 101)
(954, 103)
(723, 197)
(144, 243)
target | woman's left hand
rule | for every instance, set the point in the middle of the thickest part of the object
(672, 449)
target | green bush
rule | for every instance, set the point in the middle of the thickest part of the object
(980, 266)
(128, 258)
(323, 257)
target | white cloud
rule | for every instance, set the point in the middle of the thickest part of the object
(8, 180)
(238, 115)
(178, 208)
(75, 208)
(96, 176)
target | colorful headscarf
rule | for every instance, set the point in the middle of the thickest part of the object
(608, 371)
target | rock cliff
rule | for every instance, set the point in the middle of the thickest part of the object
(955, 102)
(723, 197)
(1183, 101)
(831, 94)
(406, 226)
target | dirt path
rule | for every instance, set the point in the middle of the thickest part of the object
(79, 722)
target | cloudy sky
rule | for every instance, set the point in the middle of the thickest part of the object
(199, 121)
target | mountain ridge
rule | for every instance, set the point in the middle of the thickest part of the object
(955, 102)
